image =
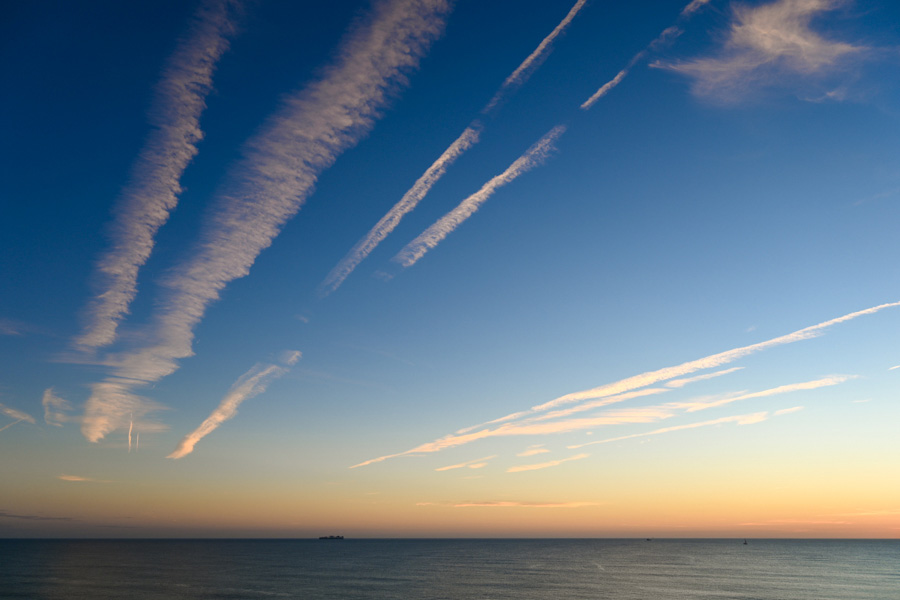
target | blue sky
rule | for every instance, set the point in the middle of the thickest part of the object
(302, 259)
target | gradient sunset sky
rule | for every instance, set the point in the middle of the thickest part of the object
(420, 268)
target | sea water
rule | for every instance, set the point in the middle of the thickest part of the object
(451, 569)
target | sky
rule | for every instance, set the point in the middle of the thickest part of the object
(421, 268)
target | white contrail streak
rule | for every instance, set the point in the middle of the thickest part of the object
(252, 383)
(518, 77)
(13, 413)
(408, 202)
(153, 191)
(431, 237)
(750, 419)
(709, 362)
(8, 425)
(545, 465)
(668, 34)
(276, 176)
(518, 424)
(423, 185)
(130, 429)
(677, 383)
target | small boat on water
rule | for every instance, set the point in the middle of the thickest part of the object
(745, 542)
(331, 537)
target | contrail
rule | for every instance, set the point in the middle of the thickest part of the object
(431, 237)
(534, 60)
(276, 176)
(516, 424)
(13, 413)
(252, 383)
(8, 425)
(130, 428)
(408, 202)
(423, 185)
(709, 362)
(749, 419)
(153, 192)
(668, 34)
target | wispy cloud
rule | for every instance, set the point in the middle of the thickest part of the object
(153, 191)
(518, 77)
(470, 464)
(768, 44)
(423, 185)
(787, 411)
(407, 203)
(693, 406)
(526, 423)
(431, 237)
(748, 419)
(276, 176)
(252, 383)
(565, 412)
(532, 451)
(667, 36)
(78, 479)
(708, 362)
(113, 404)
(55, 409)
(613, 417)
(545, 465)
(15, 414)
(509, 504)
(677, 383)
(11, 327)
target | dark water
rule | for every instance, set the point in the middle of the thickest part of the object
(451, 569)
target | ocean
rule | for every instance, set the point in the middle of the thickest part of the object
(451, 569)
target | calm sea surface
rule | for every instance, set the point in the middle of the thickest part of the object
(451, 569)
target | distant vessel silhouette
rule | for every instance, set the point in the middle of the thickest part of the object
(745, 542)
(331, 537)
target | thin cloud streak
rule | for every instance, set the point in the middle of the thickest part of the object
(471, 464)
(8, 425)
(597, 404)
(276, 176)
(54, 409)
(783, 389)
(613, 417)
(153, 191)
(252, 383)
(709, 362)
(13, 413)
(407, 203)
(748, 419)
(431, 237)
(423, 185)
(545, 465)
(532, 426)
(532, 451)
(518, 77)
(667, 36)
(79, 479)
(678, 383)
